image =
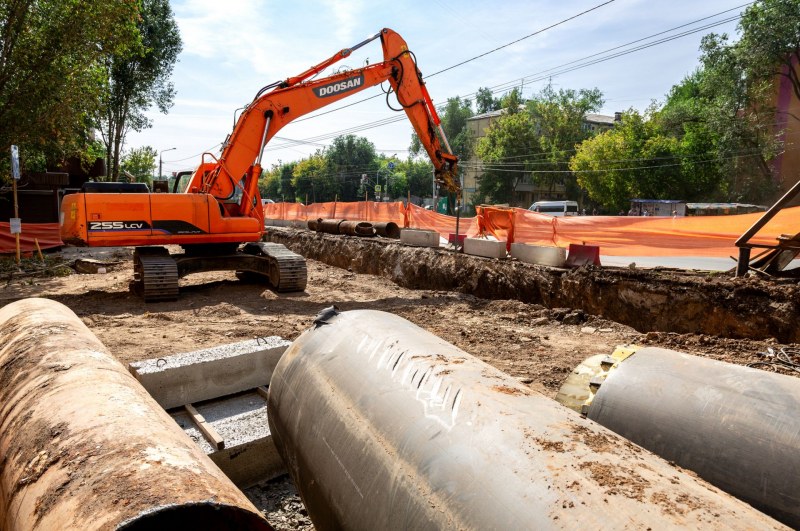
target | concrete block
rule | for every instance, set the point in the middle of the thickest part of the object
(419, 237)
(249, 456)
(210, 373)
(539, 254)
(487, 248)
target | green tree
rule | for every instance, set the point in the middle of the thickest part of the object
(418, 176)
(312, 180)
(485, 101)
(770, 43)
(558, 118)
(269, 185)
(50, 72)
(138, 78)
(454, 115)
(740, 114)
(637, 159)
(347, 158)
(506, 152)
(141, 163)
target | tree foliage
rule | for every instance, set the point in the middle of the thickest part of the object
(140, 162)
(347, 158)
(50, 72)
(312, 183)
(770, 43)
(138, 78)
(485, 101)
(321, 176)
(506, 152)
(559, 121)
(454, 115)
(532, 142)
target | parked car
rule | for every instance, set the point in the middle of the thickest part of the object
(555, 208)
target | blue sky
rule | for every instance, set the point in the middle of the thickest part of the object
(233, 48)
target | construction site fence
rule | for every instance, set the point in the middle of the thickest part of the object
(710, 236)
(47, 234)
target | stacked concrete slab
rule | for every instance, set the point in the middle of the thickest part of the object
(484, 247)
(539, 254)
(210, 373)
(218, 396)
(419, 237)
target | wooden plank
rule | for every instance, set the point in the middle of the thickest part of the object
(205, 428)
(261, 390)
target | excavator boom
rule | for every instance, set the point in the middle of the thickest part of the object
(280, 103)
(222, 206)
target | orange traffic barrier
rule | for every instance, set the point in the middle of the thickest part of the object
(581, 255)
(711, 236)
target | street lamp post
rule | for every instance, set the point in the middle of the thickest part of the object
(159, 160)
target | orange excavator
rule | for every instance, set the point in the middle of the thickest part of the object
(220, 209)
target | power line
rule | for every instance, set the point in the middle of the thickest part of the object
(537, 32)
(532, 77)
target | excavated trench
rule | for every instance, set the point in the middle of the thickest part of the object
(647, 300)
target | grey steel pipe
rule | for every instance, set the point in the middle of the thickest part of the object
(356, 228)
(385, 426)
(736, 427)
(388, 229)
(329, 226)
(82, 444)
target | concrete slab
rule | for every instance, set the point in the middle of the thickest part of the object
(539, 254)
(249, 456)
(483, 247)
(209, 373)
(419, 237)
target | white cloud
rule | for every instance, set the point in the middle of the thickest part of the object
(346, 16)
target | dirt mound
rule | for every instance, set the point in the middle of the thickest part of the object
(647, 300)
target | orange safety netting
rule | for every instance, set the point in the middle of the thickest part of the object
(47, 234)
(711, 236)
(361, 210)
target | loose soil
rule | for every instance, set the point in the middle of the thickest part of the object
(523, 327)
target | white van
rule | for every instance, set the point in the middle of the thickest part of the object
(555, 208)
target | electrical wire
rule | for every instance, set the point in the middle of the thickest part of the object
(551, 72)
(537, 32)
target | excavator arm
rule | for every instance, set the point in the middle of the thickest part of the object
(239, 164)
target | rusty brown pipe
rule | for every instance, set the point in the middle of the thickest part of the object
(388, 229)
(357, 228)
(82, 444)
(313, 223)
(329, 226)
(385, 426)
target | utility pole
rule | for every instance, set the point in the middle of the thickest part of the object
(160, 162)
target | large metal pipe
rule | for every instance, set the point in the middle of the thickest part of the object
(387, 229)
(385, 426)
(356, 228)
(82, 444)
(329, 226)
(736, 427)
